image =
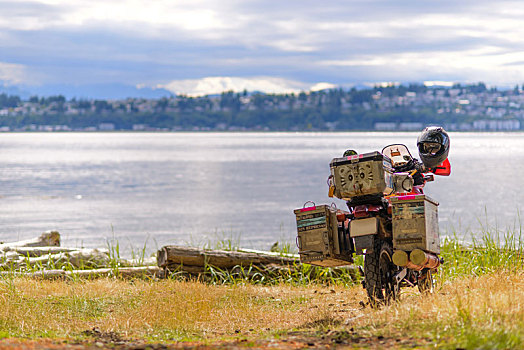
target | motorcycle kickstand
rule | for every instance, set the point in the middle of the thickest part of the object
(399, 277)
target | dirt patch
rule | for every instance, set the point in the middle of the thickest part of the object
(292, 340)
(104, 337)
(350, 339)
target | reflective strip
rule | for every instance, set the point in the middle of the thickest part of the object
(313, 221)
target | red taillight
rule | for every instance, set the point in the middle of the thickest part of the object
(361, 211)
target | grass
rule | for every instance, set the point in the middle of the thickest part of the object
(494, 250)
(463, 314)
(165, 310)
(479, 304)
(298, 274)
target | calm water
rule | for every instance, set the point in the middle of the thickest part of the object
(179, 188)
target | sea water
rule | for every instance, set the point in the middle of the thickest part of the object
(197, 188)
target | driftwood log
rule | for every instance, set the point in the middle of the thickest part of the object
(46, 239)
(76, 257)
(43, 257)
(79, 258)
(149, 261)
(33, 252)
(126, 272)
(187, 256)
(249, 263)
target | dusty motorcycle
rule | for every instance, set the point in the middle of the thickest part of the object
(389, 219)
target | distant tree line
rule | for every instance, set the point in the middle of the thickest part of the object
(353, 109)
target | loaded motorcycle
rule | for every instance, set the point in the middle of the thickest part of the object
(390, 221)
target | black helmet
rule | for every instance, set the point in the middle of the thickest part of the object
(433, 146)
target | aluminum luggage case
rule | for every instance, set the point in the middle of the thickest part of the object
(361, 174)
(415, 223)
(319, 240)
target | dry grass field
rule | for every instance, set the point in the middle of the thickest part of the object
(473, 312)
(478, 304)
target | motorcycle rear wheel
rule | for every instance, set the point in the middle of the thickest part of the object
(379, 272)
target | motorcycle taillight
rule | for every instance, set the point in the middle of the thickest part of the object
(361, 211)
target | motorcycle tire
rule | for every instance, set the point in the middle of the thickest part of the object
(379, 272)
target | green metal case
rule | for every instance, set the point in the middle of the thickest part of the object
(415, 223)
(361, 174)
(318, 237)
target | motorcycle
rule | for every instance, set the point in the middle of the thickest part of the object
(389, 219)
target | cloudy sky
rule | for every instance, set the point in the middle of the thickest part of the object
(199, 46)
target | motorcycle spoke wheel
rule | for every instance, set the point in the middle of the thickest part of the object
(379, 272)
(387, 271)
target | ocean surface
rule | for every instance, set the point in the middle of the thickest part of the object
(198, 188)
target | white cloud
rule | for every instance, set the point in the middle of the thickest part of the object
(217, 85)
(140, 15)
(489, 64)
(338, 41)
(12, 73)
(186, 15)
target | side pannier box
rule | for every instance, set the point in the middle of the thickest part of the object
(319, 239)
(361, 174)
(415, 223)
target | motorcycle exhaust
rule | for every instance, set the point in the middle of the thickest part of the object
(421, 258)
(417, 260)
(401, 259)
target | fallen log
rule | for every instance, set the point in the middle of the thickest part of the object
(232, 264)
(150, 261)
(188, 256)
(48, 238)
(80, 258)
(263, 252)
(33, 252)
(127, 272)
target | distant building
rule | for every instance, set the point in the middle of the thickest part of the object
(106, 127)
(410, 126)
(385, 126)
(139, 127)
(496, 125)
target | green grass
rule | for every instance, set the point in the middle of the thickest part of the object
(490, 251)
(296, 274)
